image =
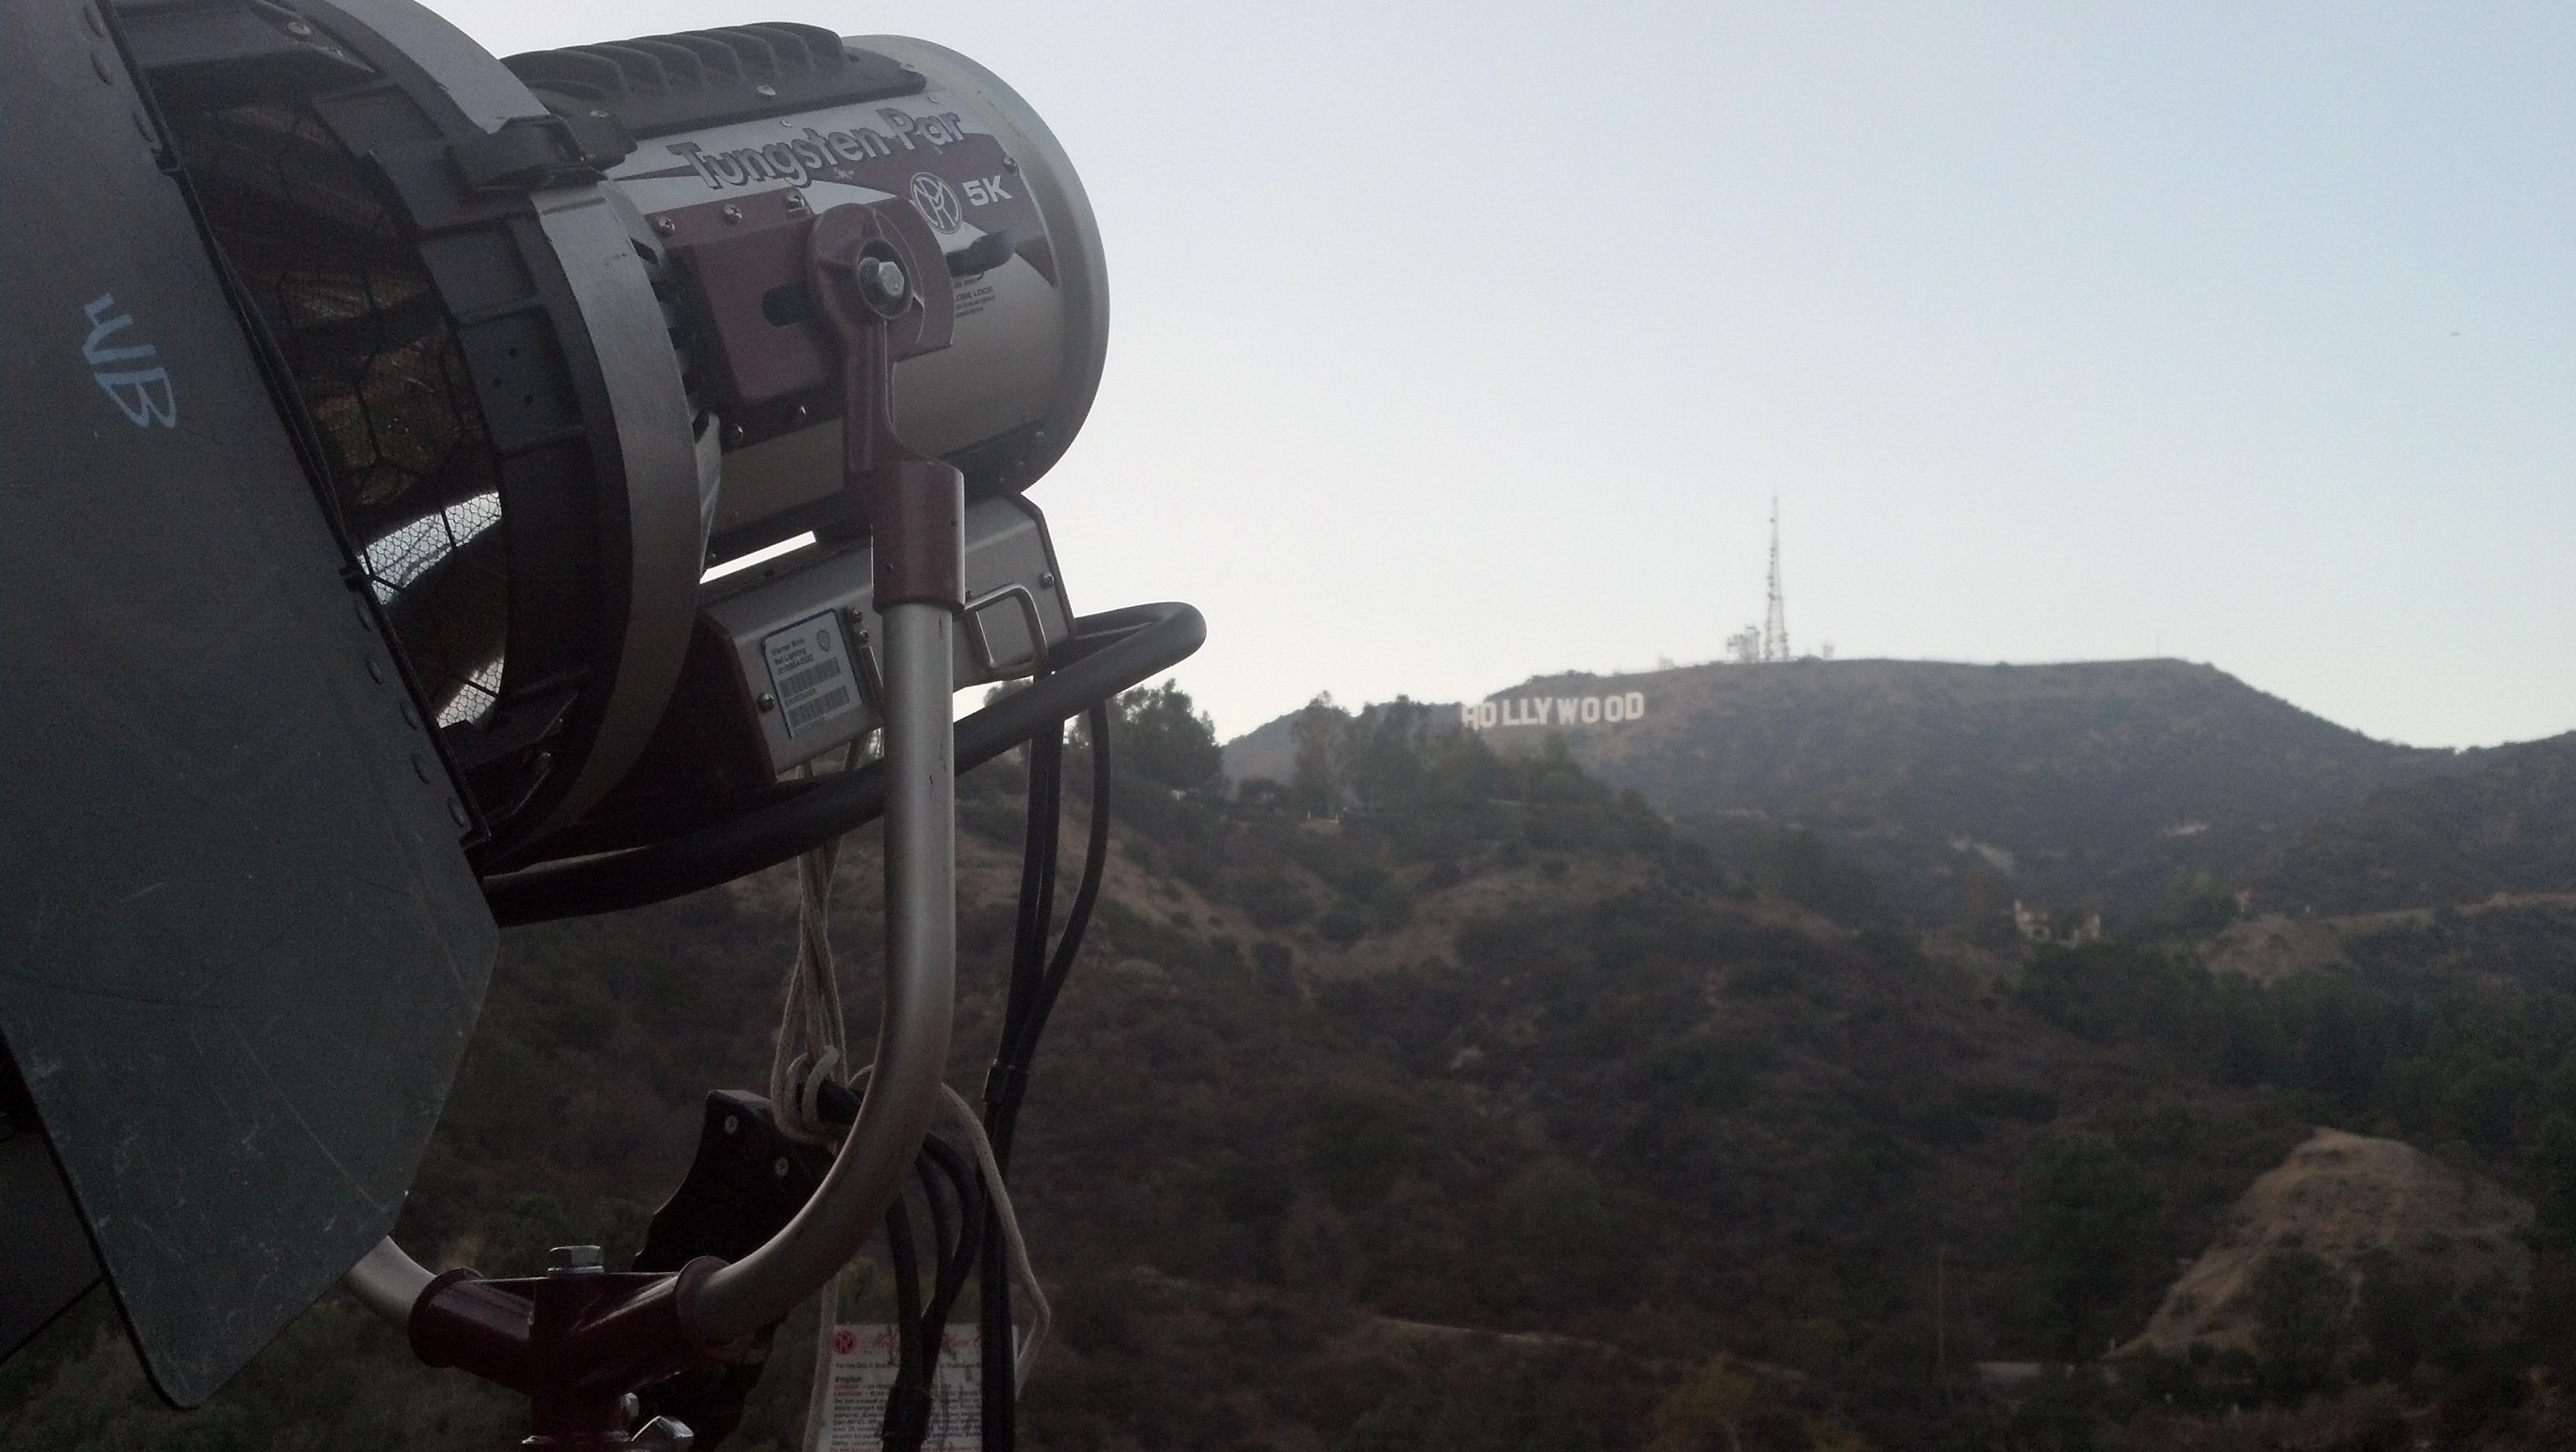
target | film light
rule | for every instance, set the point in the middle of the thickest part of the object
(451, 489)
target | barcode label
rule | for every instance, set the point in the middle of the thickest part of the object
(817, 708)
(807, 679)
(809, 672)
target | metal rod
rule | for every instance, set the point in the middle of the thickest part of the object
(387, 1282)
(920, 996)
(912, 1046)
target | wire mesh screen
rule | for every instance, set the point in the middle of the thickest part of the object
(377, 363)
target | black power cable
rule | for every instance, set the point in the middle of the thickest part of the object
(999, 1352)
(1037, 900)
(1021, 1039)
(907, 1408)
(1037, 977)
(957, 1257)
(1110, 652)
(956, 1231)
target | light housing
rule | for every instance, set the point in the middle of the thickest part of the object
(377, 410)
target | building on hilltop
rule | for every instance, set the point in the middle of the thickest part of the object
(2039, 925)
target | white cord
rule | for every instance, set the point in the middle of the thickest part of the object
(811, 1036)
(963, 1121)
(998, 1202)
(812, 1041)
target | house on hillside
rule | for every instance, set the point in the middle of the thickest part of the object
(2039, 925)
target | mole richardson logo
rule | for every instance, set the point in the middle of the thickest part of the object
(937, 202)
(1553, 711)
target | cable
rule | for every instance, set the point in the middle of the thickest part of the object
(956, 1228)
(983, 1230)
(957, 1255)
(1109, 653)
(812, 1038)
(1009, 1083)
(908, 1404)
(961, 1116)
(1037, 888)
(1033, 995)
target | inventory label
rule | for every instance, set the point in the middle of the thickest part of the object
(809, 673)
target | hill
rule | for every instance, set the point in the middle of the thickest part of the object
(2091, 785)
(2504, 823)
(1485, 1111)
(2270, 945)
(2370, 1208)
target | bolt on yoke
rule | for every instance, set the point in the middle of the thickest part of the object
(877, 277)
(879, 292)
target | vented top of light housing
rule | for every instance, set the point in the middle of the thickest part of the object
(743, 132)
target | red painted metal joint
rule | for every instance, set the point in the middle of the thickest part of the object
(575, 1343)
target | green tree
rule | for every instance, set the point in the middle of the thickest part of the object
(538, 1222)
(2195, 906)
(1985, 907)
(1559, 1227)
(1706, 1411)
(2092, 1217)
(2302, 1318)
(1358, 1146)
(1831, 1434)
(2059, 1411)
(1431, 1415)
(1385, 754)
(1554, 1209)
(1799, 866)
(1161, 736)
(2552, 1177)
(1315, 786)
(2399, 1313)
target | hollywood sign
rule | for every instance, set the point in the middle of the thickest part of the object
(1553, 711)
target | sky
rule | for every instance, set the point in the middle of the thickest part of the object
(1455, 344)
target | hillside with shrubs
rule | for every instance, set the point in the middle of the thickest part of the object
(1434, 1098)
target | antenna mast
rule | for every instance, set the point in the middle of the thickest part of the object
(1775, 621)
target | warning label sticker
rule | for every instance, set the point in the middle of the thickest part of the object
(809, 672)
(863, 1367)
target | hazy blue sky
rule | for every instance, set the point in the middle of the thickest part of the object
(1455, 344)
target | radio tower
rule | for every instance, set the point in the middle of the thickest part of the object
(1775, 621)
